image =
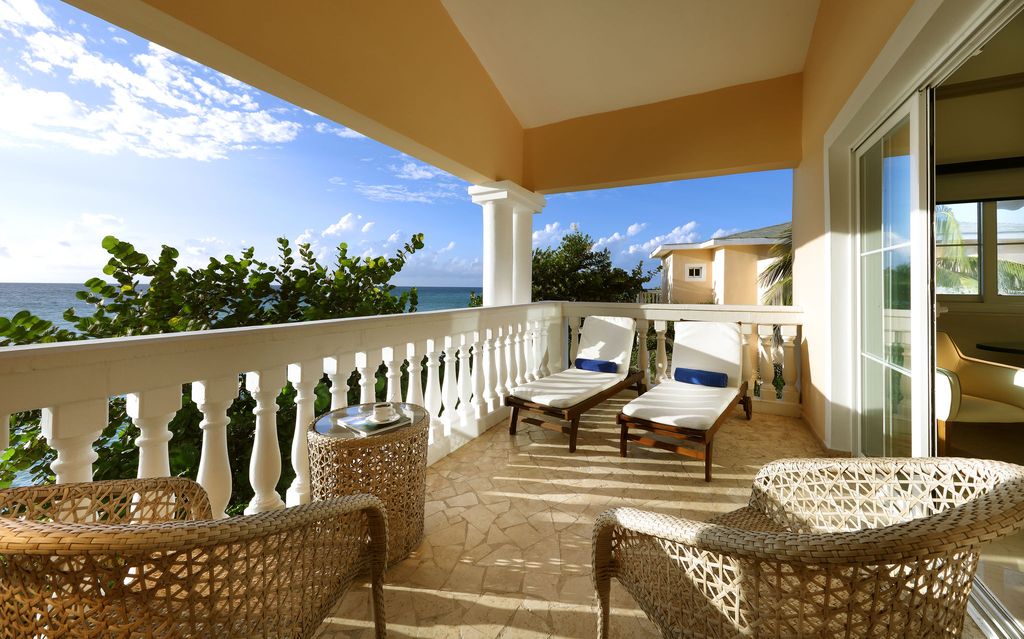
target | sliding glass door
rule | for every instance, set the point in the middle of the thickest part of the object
(894, 292)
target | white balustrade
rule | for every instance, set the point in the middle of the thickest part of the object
(479, 405)
(152, 412)
(644, 363)
(213, 397)
(414, 389)
(393, 375)
(660, 356)
(339, 369)
(265, 463)
(449, 386)
(493, 349)
(304, 376)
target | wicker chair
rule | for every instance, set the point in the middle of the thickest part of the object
(142, 558)
(825, 548)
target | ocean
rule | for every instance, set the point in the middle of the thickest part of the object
(49, 301)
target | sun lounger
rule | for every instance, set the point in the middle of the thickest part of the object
(606, 344)
(683, 416)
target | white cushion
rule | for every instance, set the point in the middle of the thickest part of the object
(980, 409)
(685, 405)
(566, 388)
(709, 346)
(607, 338)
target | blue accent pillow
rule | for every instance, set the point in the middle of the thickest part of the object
(596, 365)
(701, 378)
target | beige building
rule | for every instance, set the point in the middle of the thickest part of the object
(722, 270)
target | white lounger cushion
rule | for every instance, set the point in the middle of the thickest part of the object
(686, 405)
(709, 346)
(607, 338)
(566, 388)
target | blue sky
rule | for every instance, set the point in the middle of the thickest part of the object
(102, 132)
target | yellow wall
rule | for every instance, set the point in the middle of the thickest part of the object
(742, 128)
(846, 39)
(682, 291)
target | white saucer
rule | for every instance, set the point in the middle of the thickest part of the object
(380, 422)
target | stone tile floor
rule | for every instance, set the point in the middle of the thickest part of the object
(508, 527)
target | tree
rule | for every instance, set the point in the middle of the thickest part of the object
(228, 292)
(778, 277)
(959, 272)
(575, 272)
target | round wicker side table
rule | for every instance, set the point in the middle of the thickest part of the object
(391, 464)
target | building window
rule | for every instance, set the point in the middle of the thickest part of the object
(1010, 247)
(695, 272)
(957, 261)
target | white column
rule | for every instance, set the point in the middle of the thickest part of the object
(304, 377)
(414, 390)
(660, 356)
(71, 429)
(393, 374)
(479, 406)
(213, 397)
(522, 254)
(152, 411)
(339, 369)
(265, 463)
(507, 240)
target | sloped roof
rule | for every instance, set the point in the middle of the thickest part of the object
(763, 235)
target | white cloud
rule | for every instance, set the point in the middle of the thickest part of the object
(631, 230)
(402, 193)
(100, 220)
(393, 237)
(447, 248)
(345, 223)
(119, 40)
(23, 13)
(724, 232)
(160, 105)
(367, 227)
(415, 171)
(308, 236)
(635, 228)
(679, 235)
(340, 131)
(551, 232)
(4, 251)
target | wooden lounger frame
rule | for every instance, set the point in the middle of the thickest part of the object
(572, 413)
(703, 438)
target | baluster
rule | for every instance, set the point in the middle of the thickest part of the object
(339, 369)
(479, 365)
(790, 393)
(265, 464)
(660, 356)
(574, 342)
(465, 383)
(544, 349)
(367, 379)
(213, 397)
(304, 377)
(751, 364)
(449, 389)
(518, 346)
(500, 367)
(152, 411)
(528, 352)
(535, 349)
(71, 429)
(510, 360)
(393, 375)
(644, 363)
(432, 400)
(767, 362)
(489, 373)
(414, 390)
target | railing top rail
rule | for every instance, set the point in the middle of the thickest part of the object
(671, 312)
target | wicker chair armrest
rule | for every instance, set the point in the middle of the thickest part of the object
(118, 501)
(61, 538)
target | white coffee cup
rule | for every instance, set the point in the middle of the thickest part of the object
(383, 411)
